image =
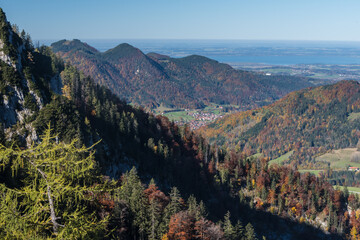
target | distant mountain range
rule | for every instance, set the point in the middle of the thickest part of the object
(194, 81)
(307, 122)
(54, 188)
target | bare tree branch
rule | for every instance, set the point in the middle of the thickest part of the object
(51, 203)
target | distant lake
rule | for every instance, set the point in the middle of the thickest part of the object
(289, 60)
(243, 51)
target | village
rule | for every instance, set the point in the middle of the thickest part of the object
(202, 119)
(194, 118)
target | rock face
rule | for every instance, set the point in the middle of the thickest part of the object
(3, 57)
(23, 86)
(10, 111)
(12, 108)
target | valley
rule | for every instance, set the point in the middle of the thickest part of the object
(321, 73)
(127, 144)
(292, 129)
(196, 118)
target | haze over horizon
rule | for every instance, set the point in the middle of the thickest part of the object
(159, 19)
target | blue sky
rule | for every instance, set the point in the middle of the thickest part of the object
(334, 20)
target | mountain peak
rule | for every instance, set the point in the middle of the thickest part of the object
(11, 45)
(3, 20)
(121, 51)
(126, 70)
(198, 58)
(72, 45)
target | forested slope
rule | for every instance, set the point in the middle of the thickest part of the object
(190, 82)
(308, 122)
(76, 162)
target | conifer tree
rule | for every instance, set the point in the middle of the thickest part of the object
(201, 211)
(156, 228)
(154, 212)
(192, 205)
(132, 192)
(239, 230)
(229, 231)
(250, 232)
(54, 194)
(174, 205)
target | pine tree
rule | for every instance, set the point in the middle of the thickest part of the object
(192, 205)
(201, 211)
(239, 230)
(175, 201)
(132, 192)
(154, 212)
(229, 231)
(250, 232)
(156, 228)
(173, 207)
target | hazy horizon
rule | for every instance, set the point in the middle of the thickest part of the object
(252, 42)
(307, 20)
(243, 51)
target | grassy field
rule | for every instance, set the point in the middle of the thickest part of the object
(179, 116)
(315, 172)
(212, 110)
(281, 159)
(351, 189)
(174, 114)
(353, 116)
(161, 109)
(339, 159)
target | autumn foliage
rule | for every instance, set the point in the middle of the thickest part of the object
(307, 122)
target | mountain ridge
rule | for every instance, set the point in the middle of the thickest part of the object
(195, 81)
(58, 188)
(299, 121)
(120, 51)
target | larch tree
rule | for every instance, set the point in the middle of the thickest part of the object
(55, 194)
